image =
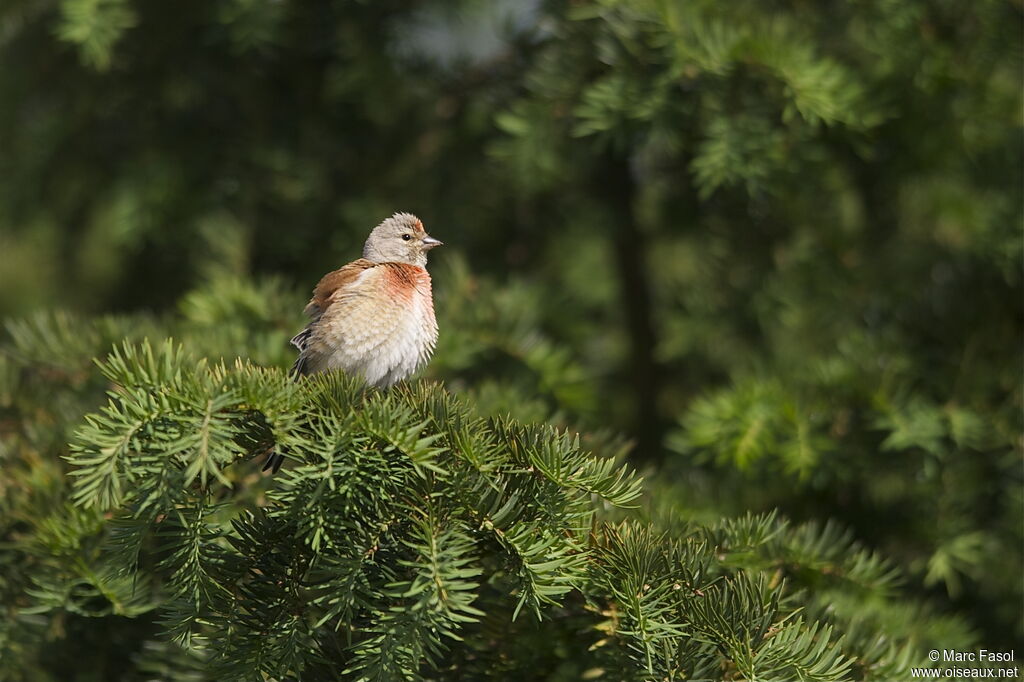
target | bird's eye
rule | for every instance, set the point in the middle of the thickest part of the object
(406, 237)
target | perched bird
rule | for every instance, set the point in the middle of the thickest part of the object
(375, 316)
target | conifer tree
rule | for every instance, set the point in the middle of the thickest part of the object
(769, 254)
(408, 538)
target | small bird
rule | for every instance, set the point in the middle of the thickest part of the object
(375, 316)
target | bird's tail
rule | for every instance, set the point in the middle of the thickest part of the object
(274, 460)
(301, 341)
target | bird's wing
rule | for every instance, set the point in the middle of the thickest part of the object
(332, 282)
(326, 289)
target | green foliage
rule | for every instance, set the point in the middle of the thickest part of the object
(404, 530)
(827, 281)
(94, 27)
(769, 252)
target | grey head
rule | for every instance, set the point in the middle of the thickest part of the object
(399, 239)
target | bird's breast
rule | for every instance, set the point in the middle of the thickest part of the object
(384, 326)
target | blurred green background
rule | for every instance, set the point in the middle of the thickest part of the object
(775, 246)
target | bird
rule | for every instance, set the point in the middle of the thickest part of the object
(374, 317)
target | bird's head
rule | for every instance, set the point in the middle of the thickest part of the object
(399, 239)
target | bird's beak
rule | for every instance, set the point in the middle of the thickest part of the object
(430, 242)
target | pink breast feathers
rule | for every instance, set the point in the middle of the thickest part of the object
(404, 281)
